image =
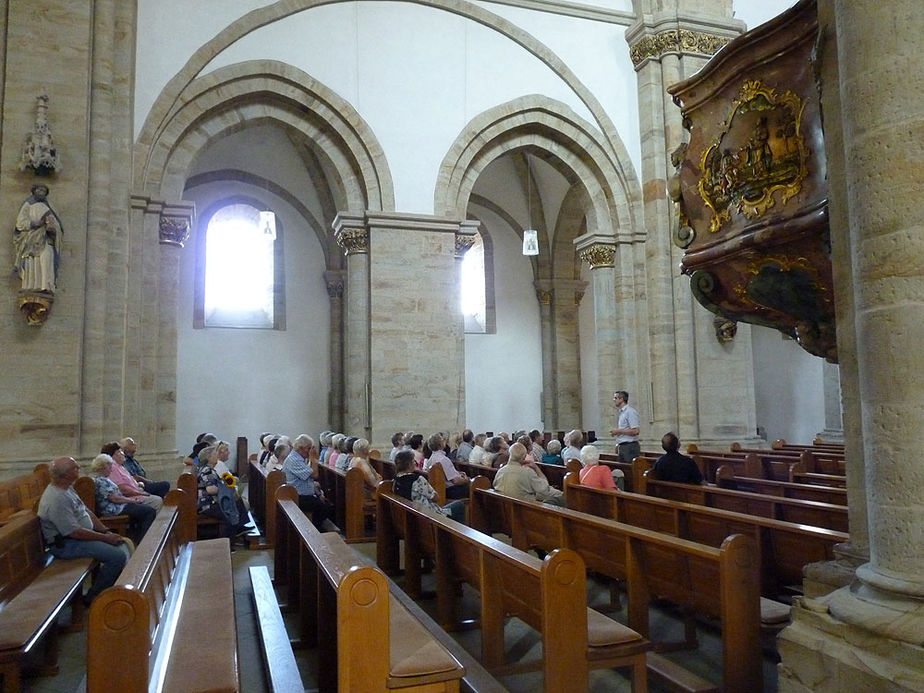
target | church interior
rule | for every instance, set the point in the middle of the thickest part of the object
(370, 216)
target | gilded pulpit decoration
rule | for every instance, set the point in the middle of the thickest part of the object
(759, 152)
(39, 152)
(599, 255)
(174, 230)
(354, 241)
(725, 329)
(751, 184)
(676, 41)
(464, 243)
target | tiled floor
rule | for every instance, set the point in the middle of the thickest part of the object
(521, 640)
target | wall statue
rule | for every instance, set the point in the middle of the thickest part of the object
(37, 242)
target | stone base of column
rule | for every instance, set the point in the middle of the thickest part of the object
(822, 652)
(824, 577)
(831, 435)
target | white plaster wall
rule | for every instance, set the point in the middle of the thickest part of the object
(241, 382)
(789, 387)
(503, 371)
(756, 12)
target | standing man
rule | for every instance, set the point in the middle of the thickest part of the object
(72, 531)
(627, 428)
(133, 467)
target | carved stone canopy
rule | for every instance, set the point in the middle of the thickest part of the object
(750, 186)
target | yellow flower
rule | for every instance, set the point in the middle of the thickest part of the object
(229, 479)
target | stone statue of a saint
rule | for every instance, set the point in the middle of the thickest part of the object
(37, 242)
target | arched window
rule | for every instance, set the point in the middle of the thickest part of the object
(240, 280)
(478, 287)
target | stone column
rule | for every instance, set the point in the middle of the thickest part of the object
(566, 299)
(600, 253)
(831, 382)
(335, 281)
(869, 636)
(666, 46)
(415, 324)
(353, 236)
(549, 387)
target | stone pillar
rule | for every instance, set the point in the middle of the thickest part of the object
(353, 236)
(666, 46)
(408, 343)
(549, 387)
(600, 253)
(566, 299)
(335, 281)
(869, 636)
(831, 382)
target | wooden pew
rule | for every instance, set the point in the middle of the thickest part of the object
(351, 506)
(261, 493)
(548, 595)
(173, 600)
(353, 617)
(278, 657)
(784, 548)
(187, 483)
(21, 494)
(613, 462)
(803, 512)
(725, 478)
(722, 582)
(474, 470)
(34, 588)
(384, 467)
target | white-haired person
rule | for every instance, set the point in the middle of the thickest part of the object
(360, 460)
(552, 453)
(457, 482)
(592, 472)
(517, 480)
(210, 484)
(111, 502)
(301, 474)
(572, 449)
(280, 451)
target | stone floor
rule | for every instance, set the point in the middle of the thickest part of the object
(522, 641)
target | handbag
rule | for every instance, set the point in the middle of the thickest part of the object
(224, 505)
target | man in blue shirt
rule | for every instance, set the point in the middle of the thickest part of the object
(133, 467)
(301, 473)
(627, 428)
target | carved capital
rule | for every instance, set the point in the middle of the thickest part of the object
(682, 41)
(464, 243)
(334, 282)
(544, 296)
(174, 230)
(599, 255)
(354, 241)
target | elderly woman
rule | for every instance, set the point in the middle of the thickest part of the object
(334, 452)
(408, 483)
(346, 453)
(592, 473)
(128, 487)
(110, 501)
(572, 449)
(457, 483)
(210, 483)
(552, 454)
(495, 452)
(280, 452)
(360, 460)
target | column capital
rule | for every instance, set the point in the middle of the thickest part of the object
(351, 233)
(663, 33)
(596, 250)
(335, 280)
(465, 237)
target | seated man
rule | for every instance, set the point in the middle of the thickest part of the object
(514, 479)
(70, 530)
(674, 466)
(572, 449)
(133, 467)
(456, 482)
(300, 473)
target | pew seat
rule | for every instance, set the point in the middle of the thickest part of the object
(278, 657)
(34, 588)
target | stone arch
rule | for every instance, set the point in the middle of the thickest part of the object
(172, 96)
(551, 130)
(240, 95)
